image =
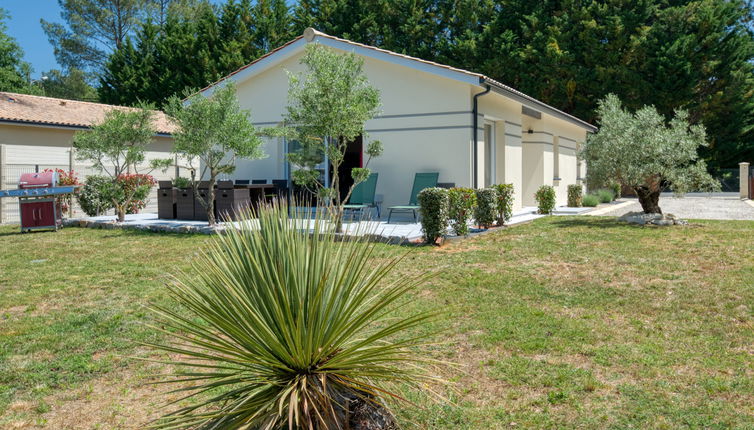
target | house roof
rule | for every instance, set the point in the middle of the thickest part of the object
(48, 111)
(311, 35)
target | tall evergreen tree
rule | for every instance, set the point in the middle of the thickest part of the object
(14, 72)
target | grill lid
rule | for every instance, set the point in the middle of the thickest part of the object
(38, 180)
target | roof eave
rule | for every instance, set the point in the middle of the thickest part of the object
(536, 104)
(61, 125)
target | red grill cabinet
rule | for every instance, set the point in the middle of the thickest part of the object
(43, 212)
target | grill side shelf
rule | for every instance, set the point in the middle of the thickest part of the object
(38, 192)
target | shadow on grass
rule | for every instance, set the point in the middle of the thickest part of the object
(593, 222)
(133, 232)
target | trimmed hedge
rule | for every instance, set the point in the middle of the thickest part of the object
(545, 197)
(504, 202)
(485, 212)
(575, 195)
(433, 207)
(461, 206)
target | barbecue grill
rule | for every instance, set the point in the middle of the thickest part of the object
(37, 202)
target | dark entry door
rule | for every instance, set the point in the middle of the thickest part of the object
(353, 158)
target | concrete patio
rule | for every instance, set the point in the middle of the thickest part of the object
(394, 232)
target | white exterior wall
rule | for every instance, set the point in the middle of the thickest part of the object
(506, 115)
(425, 126)
(29, 146)
(569, 137)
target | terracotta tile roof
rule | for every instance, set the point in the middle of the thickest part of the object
(70, 113)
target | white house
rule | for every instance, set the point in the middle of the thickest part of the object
(471, 129)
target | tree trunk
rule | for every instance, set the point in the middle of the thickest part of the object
(211, 201)
(211, 205)
(649, 200)
(121, 209)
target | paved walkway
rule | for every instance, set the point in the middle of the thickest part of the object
(723, 206)
(393, 232)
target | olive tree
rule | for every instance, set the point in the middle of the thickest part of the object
(213, 132)
(117, 147)
(644, 151)
(328, 106)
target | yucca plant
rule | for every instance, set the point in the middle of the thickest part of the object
(282, 326)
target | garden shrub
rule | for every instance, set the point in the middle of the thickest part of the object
(485, 212)
(504, 202)
(590, 200)
(292, 329)
(433, 207)
(545, 197)
(615, 188)
(605, 196)
(181, 182)
(138, 187)
(575, 195)
(65, 178)
(100, 193)
(461, 203)
(92, 196)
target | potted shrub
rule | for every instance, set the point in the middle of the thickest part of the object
(485, 212)
(461, 203)
(545, 197)
(575, 195)
(433, 207)
(504, 202)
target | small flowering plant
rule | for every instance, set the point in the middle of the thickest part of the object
(65, 178)
(135, 190)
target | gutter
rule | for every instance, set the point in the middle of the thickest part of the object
(474, 131)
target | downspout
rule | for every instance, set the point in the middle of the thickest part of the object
(475, 121)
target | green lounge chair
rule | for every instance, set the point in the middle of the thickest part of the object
(421, 181)
(362, 196)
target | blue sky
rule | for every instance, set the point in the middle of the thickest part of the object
(24, 26)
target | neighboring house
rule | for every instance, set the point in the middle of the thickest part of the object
(431, 114)
(36, 133)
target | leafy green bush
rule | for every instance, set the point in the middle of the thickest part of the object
(290, 327)
(100, 193)
(135, 187)
(433, 207)
(590, 200)
(605, 196)
(504, 202)
(575, 195)
(92, 196)
(615, 188)
(461, 203)
(485, 212)
(181, 182)
(545, 197)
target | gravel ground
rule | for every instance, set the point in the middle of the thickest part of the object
(698, 206)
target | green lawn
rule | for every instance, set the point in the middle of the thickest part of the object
(567, 322)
